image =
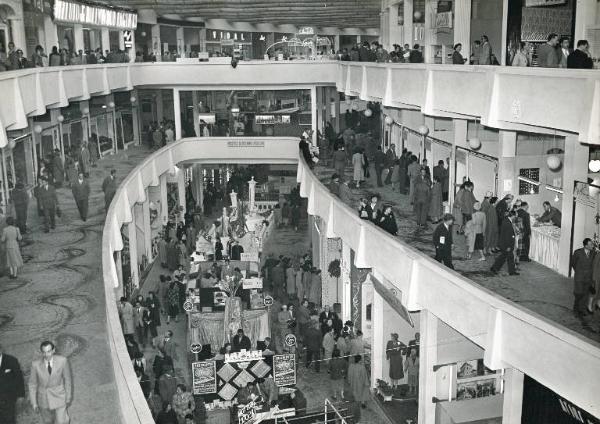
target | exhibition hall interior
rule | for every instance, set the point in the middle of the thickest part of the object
(332, 211)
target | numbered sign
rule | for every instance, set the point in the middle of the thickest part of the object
(188, 306)
(290, 340)
(195, 347)
(268, 300)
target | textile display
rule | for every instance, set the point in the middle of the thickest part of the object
(207, 327)
(544, 245)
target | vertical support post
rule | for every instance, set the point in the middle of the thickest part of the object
(177, 113)
(164, 204)
(196, 112)
(460, 139)
(336, 98)
(181, 188)
(507, 167)
(427, 360)
(160, 107)
(135, 115)
(78, 36)
(156, 45)
(462, 26)
(133, 254)
(378, 358)
(313, 113)
(513, 396)
(147, 228)
(408, 23)
(105, 39)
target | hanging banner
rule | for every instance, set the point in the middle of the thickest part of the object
(79, 13)
(204, 377)
(284, 369)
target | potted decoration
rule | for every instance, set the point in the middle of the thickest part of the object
(385, 390)
(335, 271)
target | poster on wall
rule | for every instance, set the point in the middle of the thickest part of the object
(284, 370)
(204, 377)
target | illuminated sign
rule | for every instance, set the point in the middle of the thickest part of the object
(93, 15)
(306, 31)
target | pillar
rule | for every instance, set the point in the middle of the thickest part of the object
(313, 113)
(346, 300)
(460, 139)
(507, 166)
(164, 204)
(132, 233)
(408, 23)
(177, 113)
(195, 101)
(78, 37)
(156, 47)
(574, 169)
(357, 277)
(394, 30)
(336, 100)
(119, 267)
(198, 184)
(34, 138)
(181, 189)
(50, 34)
(429, 122)
(146, 227)
(503, 45)
(160, 107)
(430, 39)
(105, 39)
(358, 39)
(378, 357)
(586, 15)
(130, 50)
(18, 35)
(513, 396)
(135, 114)
(462, 26)
(202, 37)
(427, 360)
(336, 42)
(179, 36)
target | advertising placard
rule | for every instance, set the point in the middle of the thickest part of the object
(284, 369)
(204, 377)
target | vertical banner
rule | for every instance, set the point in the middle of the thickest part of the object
(204, 377)
(284, 369)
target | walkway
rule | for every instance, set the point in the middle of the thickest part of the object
(537, 288)
(60, 296)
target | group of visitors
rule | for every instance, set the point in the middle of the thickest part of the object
(556, 52)
(404, 359)
(374, 52)
(161, 134)
(15, 59)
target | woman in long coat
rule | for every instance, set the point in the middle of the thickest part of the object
(70, 168)
(490, 236)
(393, 352)
(358, 379)
(10, 238)
(314, 295)
(358, 161)
(172, 255)
(436, 205)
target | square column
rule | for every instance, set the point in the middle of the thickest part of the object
(336, 99)
(17, 30)
(156, 49)
(181, 189)
(346, 291)
(198, 185)
(196, 112)
(378, 346)
(105, 39)
(202, 37)
(179, 35)
(513, 396)
(395, 30)
(462, 26)
(164, 204)
(574, 169)
(133, 259)
(313, 113)
(177, 113)
(50, 34)
(146, 227)
(78, 36)
(507, 166)
(135, 115)
(408, 23)
(336, 42)
(460, 139)
(160, 107)
(427, 360)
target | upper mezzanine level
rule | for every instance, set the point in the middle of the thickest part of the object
(521, 99)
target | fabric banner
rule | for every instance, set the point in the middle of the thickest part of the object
(204, 377)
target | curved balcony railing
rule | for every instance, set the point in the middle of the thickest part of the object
(525, 99)
(133, 406)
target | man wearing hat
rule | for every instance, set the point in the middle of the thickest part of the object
(442, 240)
(48, 203)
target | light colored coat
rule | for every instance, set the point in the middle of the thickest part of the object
(50, 391)
(126, 313)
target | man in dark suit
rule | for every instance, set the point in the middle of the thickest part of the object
(81, 194)
(50, 385)
(523, 213)
(580, 57)
(139, 312)
(12, 387)
(373, 209)
(109, 187)
(49, 204)
(241, 341)
(442, 240)
(507, 246)
(582, 263)
(502, 207)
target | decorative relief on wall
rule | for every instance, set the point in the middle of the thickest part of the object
(538, 22)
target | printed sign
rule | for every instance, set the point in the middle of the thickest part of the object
(245, 143)
(250, 257)
(268, 300)
(252, 283)
(247, 413)
(244, 356)
(290, 340)
(188, 306)
(128, 38)
(204, 377)
(284, 369)
(195, 348)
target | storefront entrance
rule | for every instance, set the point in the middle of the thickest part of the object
(481, 169)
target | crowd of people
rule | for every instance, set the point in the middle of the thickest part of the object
(556, 52)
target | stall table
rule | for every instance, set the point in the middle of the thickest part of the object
(544, 245)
